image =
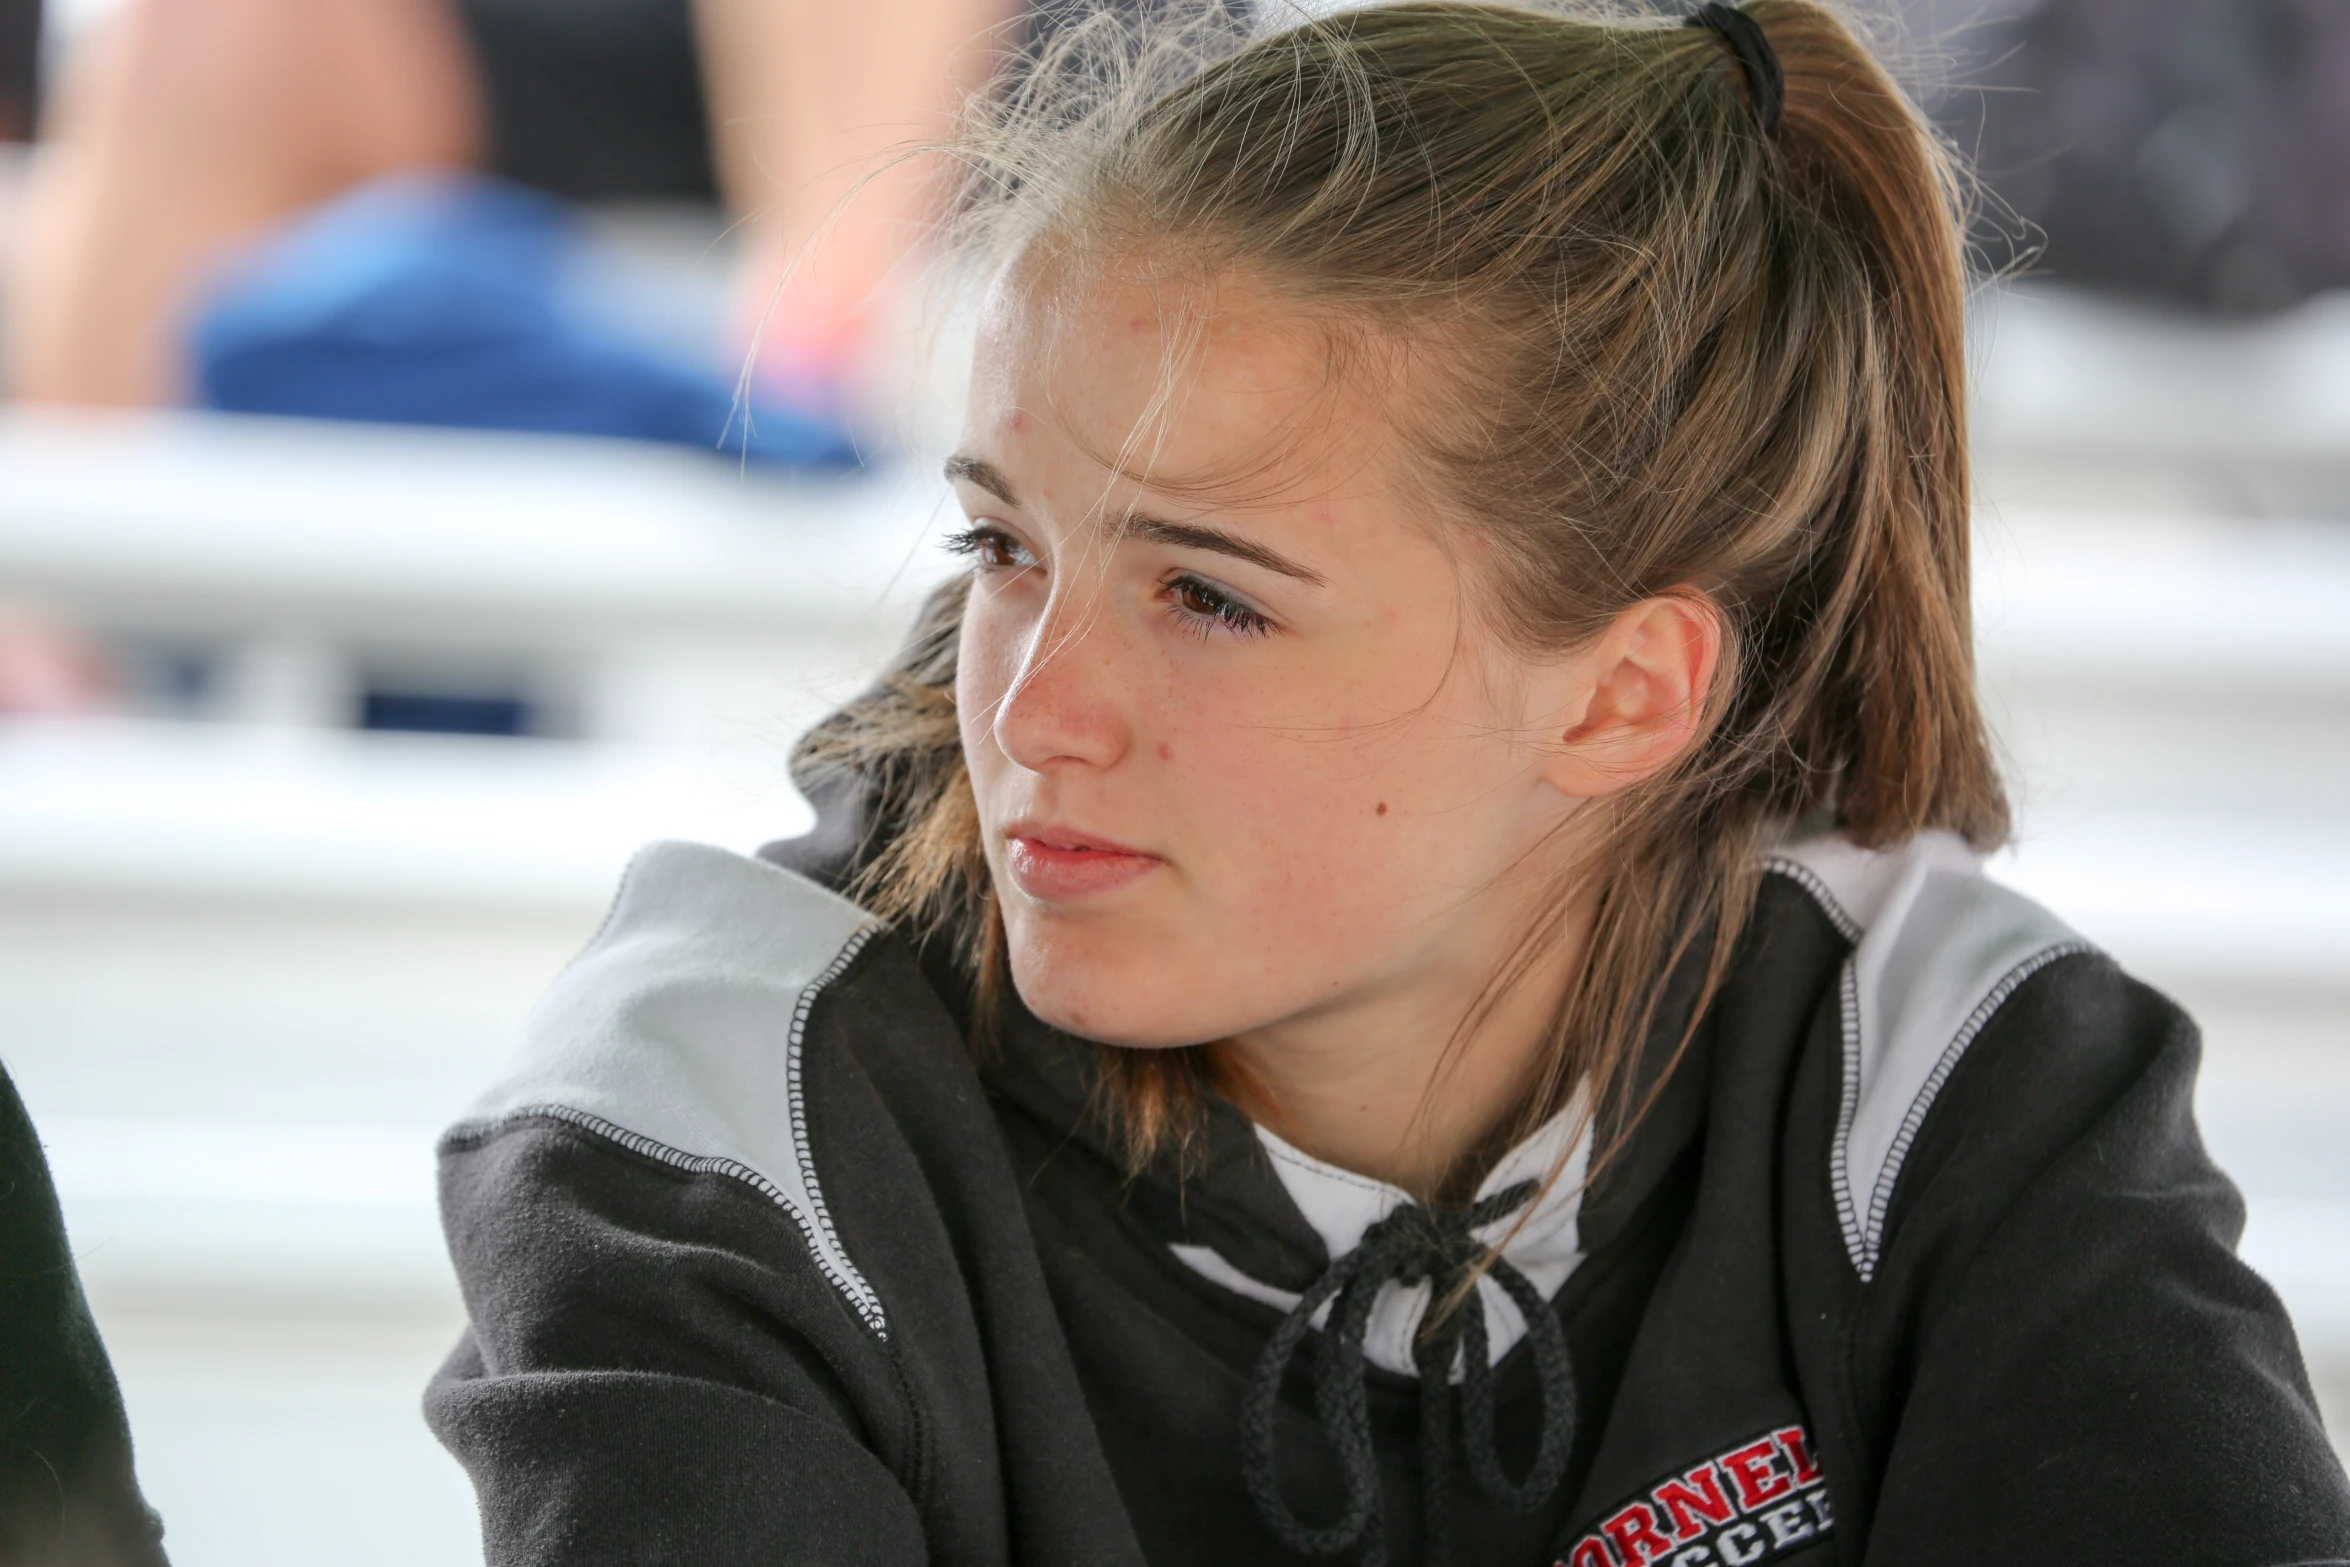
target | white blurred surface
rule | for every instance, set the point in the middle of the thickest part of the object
(250, 965)
(222, 811)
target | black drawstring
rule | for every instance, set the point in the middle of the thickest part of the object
(1410, 1245)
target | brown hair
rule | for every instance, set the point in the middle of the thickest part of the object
(1674, 354)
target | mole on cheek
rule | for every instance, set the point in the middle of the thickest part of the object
(1383, 807)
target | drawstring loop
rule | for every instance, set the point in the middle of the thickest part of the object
(1554, 1373)
(1411, 1245)
(1341, 1402)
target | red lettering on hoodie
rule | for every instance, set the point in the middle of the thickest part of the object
(1755, 1472)
(1633, 1529)
(1797, 1446)
(1693, 1501)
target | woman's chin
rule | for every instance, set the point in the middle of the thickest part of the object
(1108, 1020)
(1127, 999)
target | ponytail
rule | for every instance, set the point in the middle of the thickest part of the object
(1898, 723)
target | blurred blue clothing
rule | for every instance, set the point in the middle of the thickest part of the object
(438, 299)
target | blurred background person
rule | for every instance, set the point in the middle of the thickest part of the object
(2189, 152)
(349, 207)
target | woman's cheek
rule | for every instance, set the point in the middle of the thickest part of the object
(982, 672)
(1295, 833)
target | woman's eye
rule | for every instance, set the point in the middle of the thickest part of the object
(991, 547)
(1204, 607)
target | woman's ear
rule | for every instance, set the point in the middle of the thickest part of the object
(1645, 683)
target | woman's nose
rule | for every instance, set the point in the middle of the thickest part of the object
(1066, 705)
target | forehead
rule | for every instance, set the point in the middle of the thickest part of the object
(1183, 378)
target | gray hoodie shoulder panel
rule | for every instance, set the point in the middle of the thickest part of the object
(1937, 948)
(678, 1032)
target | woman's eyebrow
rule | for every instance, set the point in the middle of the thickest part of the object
(1183, 535)
(979, 471)
(1187, 535)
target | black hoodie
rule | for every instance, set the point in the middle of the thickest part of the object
(1916, 1258)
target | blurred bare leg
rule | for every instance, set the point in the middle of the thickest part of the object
(189, 125)
(805, 97)
(46, 668)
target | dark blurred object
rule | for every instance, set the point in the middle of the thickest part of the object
(2195, 150)
(445, 713)
(68, 1497)
(20, 68)
(598, 100)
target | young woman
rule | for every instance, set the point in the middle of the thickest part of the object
(1400, 973)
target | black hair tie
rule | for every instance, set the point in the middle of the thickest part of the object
(1756, 58)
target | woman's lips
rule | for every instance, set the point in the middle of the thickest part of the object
(1054, 864)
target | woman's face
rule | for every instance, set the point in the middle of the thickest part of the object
(1241, 765)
